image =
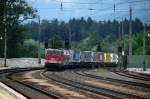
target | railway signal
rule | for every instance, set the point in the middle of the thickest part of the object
(99, 48)
(67, 44)
(120, 49)
(46, 45)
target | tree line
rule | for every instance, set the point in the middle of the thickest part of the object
(87, 34)
(82, 28)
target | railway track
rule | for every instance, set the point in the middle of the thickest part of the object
(82, 88)
(144, 74)
(137, 75)
(91, 88)
(75, 87)
(29, 91)
(134, 76)
(132, 83)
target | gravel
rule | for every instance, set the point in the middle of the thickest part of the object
(26, 91)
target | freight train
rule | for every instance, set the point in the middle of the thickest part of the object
(63, 59)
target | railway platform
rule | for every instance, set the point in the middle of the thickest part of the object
(8, 93)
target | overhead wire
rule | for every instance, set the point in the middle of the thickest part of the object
(95, 9)
(75, 2)
(98, 2)
(104, 9)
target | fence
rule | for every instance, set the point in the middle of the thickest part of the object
(137, 61)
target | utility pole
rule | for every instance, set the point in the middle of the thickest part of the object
(130, 34)
(122, 33)
(144, 68)
(119, 34)
(123, 56)
(5, 32)
(119, 46)
(5, 47)
(39, 46)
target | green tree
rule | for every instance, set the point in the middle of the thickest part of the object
(30, 48)
(82, 28)
(138, 44)
(14, 12)
(90, 43)
(56, 42)
(82, 32)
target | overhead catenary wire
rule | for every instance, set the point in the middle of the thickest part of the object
(104, 9)
(99, 2)
(112, 7)
(75, 2)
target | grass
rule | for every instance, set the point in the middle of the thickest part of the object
(37, 65)
(1, 65)
(17, 66)
(101, 72)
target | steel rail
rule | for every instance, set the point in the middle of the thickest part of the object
(91, 88)
(8, 73)
(132, 83)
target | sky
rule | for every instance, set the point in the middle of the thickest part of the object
(99, 10)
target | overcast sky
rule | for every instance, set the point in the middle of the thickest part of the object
(97, 9)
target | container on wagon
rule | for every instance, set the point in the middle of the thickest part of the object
(76, 56)
(86, 56)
